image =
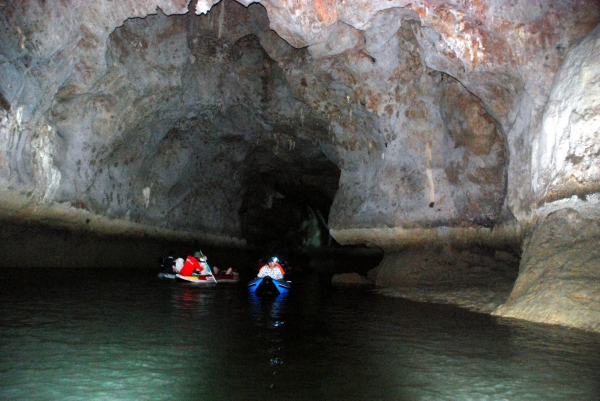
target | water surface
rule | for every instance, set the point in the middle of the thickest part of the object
(127, 335)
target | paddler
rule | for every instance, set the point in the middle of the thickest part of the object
(272, 269)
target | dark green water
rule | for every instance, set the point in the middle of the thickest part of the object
(127, 335)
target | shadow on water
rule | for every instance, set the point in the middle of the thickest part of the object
(123, 335)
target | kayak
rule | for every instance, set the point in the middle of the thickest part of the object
(221, 278)
(269, 285)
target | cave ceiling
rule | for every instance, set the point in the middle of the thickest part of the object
(224, 117)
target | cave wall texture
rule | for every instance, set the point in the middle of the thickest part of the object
(400, 124)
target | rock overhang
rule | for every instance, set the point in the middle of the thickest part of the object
(419, 105)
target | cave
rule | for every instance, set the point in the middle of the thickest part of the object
(446, 141)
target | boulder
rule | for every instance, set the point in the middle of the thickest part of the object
(350, 279)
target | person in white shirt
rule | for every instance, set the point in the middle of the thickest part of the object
(273, 269)
(178, 265)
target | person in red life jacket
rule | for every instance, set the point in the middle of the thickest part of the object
(273, 269)
(195, 265)
(190, 265)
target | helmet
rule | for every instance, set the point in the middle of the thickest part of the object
(274, 259)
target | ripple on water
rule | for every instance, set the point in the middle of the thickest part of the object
(130, 336)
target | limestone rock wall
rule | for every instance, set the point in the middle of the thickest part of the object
(560, 269)
(155, 122)
(428, 109)
(446, 122)
(565, 153)
(506, 54)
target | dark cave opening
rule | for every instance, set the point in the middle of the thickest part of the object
(286, 203)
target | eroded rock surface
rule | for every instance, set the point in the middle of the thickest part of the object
(558, 279)
(184, 123)
(352, 279)
(478, 278)
(566, 152)
(415, 104)
(560, 271)
(399, 124)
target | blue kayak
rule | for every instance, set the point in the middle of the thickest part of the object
(269, 285)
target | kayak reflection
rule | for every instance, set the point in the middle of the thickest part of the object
(268, 312)
(268, 309)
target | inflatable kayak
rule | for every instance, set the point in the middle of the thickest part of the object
(269, 285)
(221, 278)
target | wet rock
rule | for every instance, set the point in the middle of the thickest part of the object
(444, 267)
(479, 278)
(409, 108)
(566, 151)
(350, 279)
(559, 278)
(398, 124)
(174, 122)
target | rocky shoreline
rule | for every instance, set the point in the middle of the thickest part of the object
(481, 299)
(478, 279)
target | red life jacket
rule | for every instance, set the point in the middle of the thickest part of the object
(280, 268)
(190, 264)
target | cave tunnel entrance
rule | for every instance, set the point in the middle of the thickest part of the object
(210, 138)
(286, 202)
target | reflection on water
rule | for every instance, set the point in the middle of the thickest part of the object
(268, 313)
(268, 309)
(73, 335)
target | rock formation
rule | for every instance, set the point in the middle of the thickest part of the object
(560, 268)
(401, 125)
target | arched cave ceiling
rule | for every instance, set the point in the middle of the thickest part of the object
(239, 117)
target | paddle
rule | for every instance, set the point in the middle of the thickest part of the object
(211, 273)
(199, 257)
